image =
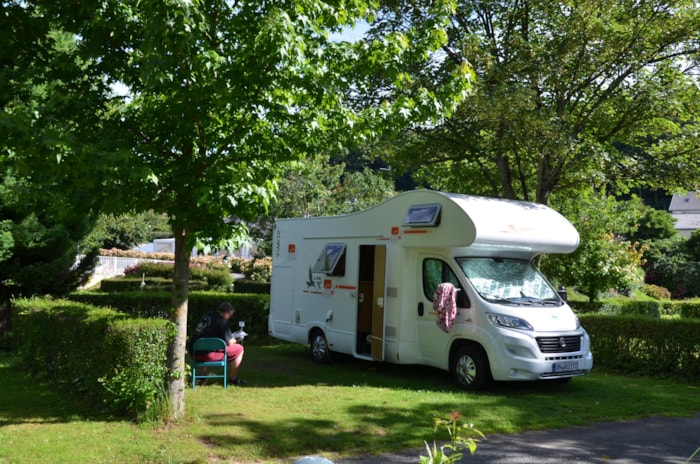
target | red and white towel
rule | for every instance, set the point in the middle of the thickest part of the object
(445, 303)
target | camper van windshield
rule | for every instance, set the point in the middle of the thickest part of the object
(509, 281)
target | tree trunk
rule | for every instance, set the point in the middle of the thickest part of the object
(176, 351)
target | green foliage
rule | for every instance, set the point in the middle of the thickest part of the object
(462, 437)
(221, 96)
(136, 385)
(317, 186)
(38, 250)
(693, 245)
(248, 286)
(100, 355)
(603, 260)
(43, 258)
(258, 270)
(689, 308)
(160, 284)
(212, 273)
(569, 96)
(656, 291)
(252, 308)
(670, 265)
(665, 348)
(236, 264)
(126, 231)
(655, 225)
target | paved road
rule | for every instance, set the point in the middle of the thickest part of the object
(655, 440)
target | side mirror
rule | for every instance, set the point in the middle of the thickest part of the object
(462, 300)
(562, 293)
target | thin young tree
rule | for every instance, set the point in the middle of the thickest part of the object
(214, 97)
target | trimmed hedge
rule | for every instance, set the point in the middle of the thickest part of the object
(132, 284)
(215, 274)
(689, 308)
(653, 309)
(251, 308)
(99, 354)
(250, 286)
(664, 348)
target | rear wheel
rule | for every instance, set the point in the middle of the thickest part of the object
(319, 347)
(470, 368)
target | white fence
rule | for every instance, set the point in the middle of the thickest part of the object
(114, 265)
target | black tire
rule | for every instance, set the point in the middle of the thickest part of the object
(319, 347)
(470, 368)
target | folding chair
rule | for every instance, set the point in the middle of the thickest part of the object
(208, 344)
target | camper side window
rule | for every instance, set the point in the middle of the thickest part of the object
(437, 271)
(331, 260)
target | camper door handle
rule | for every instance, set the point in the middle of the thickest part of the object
(420, 308)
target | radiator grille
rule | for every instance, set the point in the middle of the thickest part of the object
(567, 344)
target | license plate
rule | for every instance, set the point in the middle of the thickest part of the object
(565, 366)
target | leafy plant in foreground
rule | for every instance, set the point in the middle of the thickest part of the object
(461, 437)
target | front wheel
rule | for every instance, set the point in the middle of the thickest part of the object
(470, 368)
(319, 347)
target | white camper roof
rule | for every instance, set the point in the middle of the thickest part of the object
(427, 218)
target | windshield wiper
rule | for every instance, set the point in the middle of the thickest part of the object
(511, 301)
(496, 299)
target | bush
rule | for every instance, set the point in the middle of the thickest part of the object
(215, 274)
(258, 270)
(99, 354)
(656, 291)
(133, 284)
(254, 309)
(632, 308)
(249, 286)
(689, 308)
(237, 264)
(665, 348)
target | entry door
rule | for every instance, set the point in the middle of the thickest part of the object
(433, 341)
(371, 299)
(378, 303)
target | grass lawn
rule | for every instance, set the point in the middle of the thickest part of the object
(292, 407)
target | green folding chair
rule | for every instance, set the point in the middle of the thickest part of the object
(206, 345)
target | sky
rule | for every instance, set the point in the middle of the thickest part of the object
(351, 34)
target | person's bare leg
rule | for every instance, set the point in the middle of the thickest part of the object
(233, 367)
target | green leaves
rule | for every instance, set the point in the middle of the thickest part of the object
(567, 93)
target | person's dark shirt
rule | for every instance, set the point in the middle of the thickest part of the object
(213, 324)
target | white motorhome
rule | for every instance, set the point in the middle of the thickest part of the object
(364, 283)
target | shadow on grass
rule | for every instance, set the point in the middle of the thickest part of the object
(24, 399)
(291, 365)
(413, 396)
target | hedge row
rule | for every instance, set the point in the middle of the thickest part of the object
(251, 308)
(131, 284)
(102, 355)
(652, 309)
(251, 286)
(665, 348)
(215, 274)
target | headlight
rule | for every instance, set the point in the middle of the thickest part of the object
(509, 322)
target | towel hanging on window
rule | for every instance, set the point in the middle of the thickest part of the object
(444, 302)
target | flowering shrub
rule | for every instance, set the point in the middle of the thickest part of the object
(461, 437)
(137, 254)
(258, 270)
(656, 291)
(236, 264)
